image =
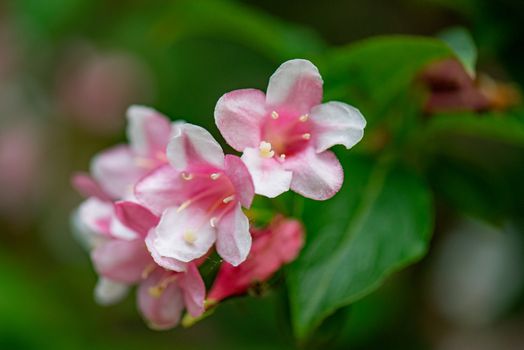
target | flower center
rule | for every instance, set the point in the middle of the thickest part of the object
(284, 133)
(212, 191)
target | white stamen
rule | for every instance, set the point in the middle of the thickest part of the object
(147, 271)
(214, 176)
(189, 237)
(187, 176)
(282, 156)
(228, 199)
(306, 136)
(265, 150)
(184, 205)
(213, 222)
(304, 118)
(274, 115)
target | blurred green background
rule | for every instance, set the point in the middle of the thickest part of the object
(438, 175)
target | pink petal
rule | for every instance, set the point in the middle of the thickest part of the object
(280, 243)
(94, 216)
(136, 217)
(116, 171)
(286, 240)
(122, 261)
(269, 177)
(166, 263)
(316, 176)
(240, 177)
(194, 290)
(88, 187)
(120, 231)
(233, 237)
(192, 144)
(238, 115)
(160, 311)
(160, 189)
(336, 123)
(184, 235)
(296, 84)
(109, 292)
(148, 131)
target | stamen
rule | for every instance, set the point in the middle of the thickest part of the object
(205, 193)
(190, 236)
(144, 163)
(265, 150)
(213, 222)
(214, 176)
(147, 271)
(306, 136)
(282, 156)
(228, 199)
(187, 176)
(304, 118)
(156, 291)
(184, 205)
(166, 281)
(274, 115)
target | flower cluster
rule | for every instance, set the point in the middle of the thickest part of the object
(158, 208)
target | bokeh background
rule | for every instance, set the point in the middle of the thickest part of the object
(70, 68)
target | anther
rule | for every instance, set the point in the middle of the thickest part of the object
(274, 115)
(304, 118)
(282, 156)
(306, 136)
(265, 150)
(213, 222)
(187, 176)
(156, 291)
(189, 237)
(228, 199)
(214, 176)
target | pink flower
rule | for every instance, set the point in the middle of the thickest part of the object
(162, 294)
(273, 247)
(284, 134)
(117, 170)
(199, 196)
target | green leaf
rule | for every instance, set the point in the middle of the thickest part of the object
(506, 127)
(275, 39)
(475, 162)
(380, 222)
(461, 42)
(375, 75)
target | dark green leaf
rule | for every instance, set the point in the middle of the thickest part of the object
(379, 222)
(373, 74)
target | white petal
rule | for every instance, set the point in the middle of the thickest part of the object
(116, 171)
(120, 231)
(269, 178)
(148, 131)
(233, 237)
(166, 263)
(184, 235)
(296, 84)
(238, 116)
(315, 175)
(193, 144)
(108, 292)
(337, 123)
